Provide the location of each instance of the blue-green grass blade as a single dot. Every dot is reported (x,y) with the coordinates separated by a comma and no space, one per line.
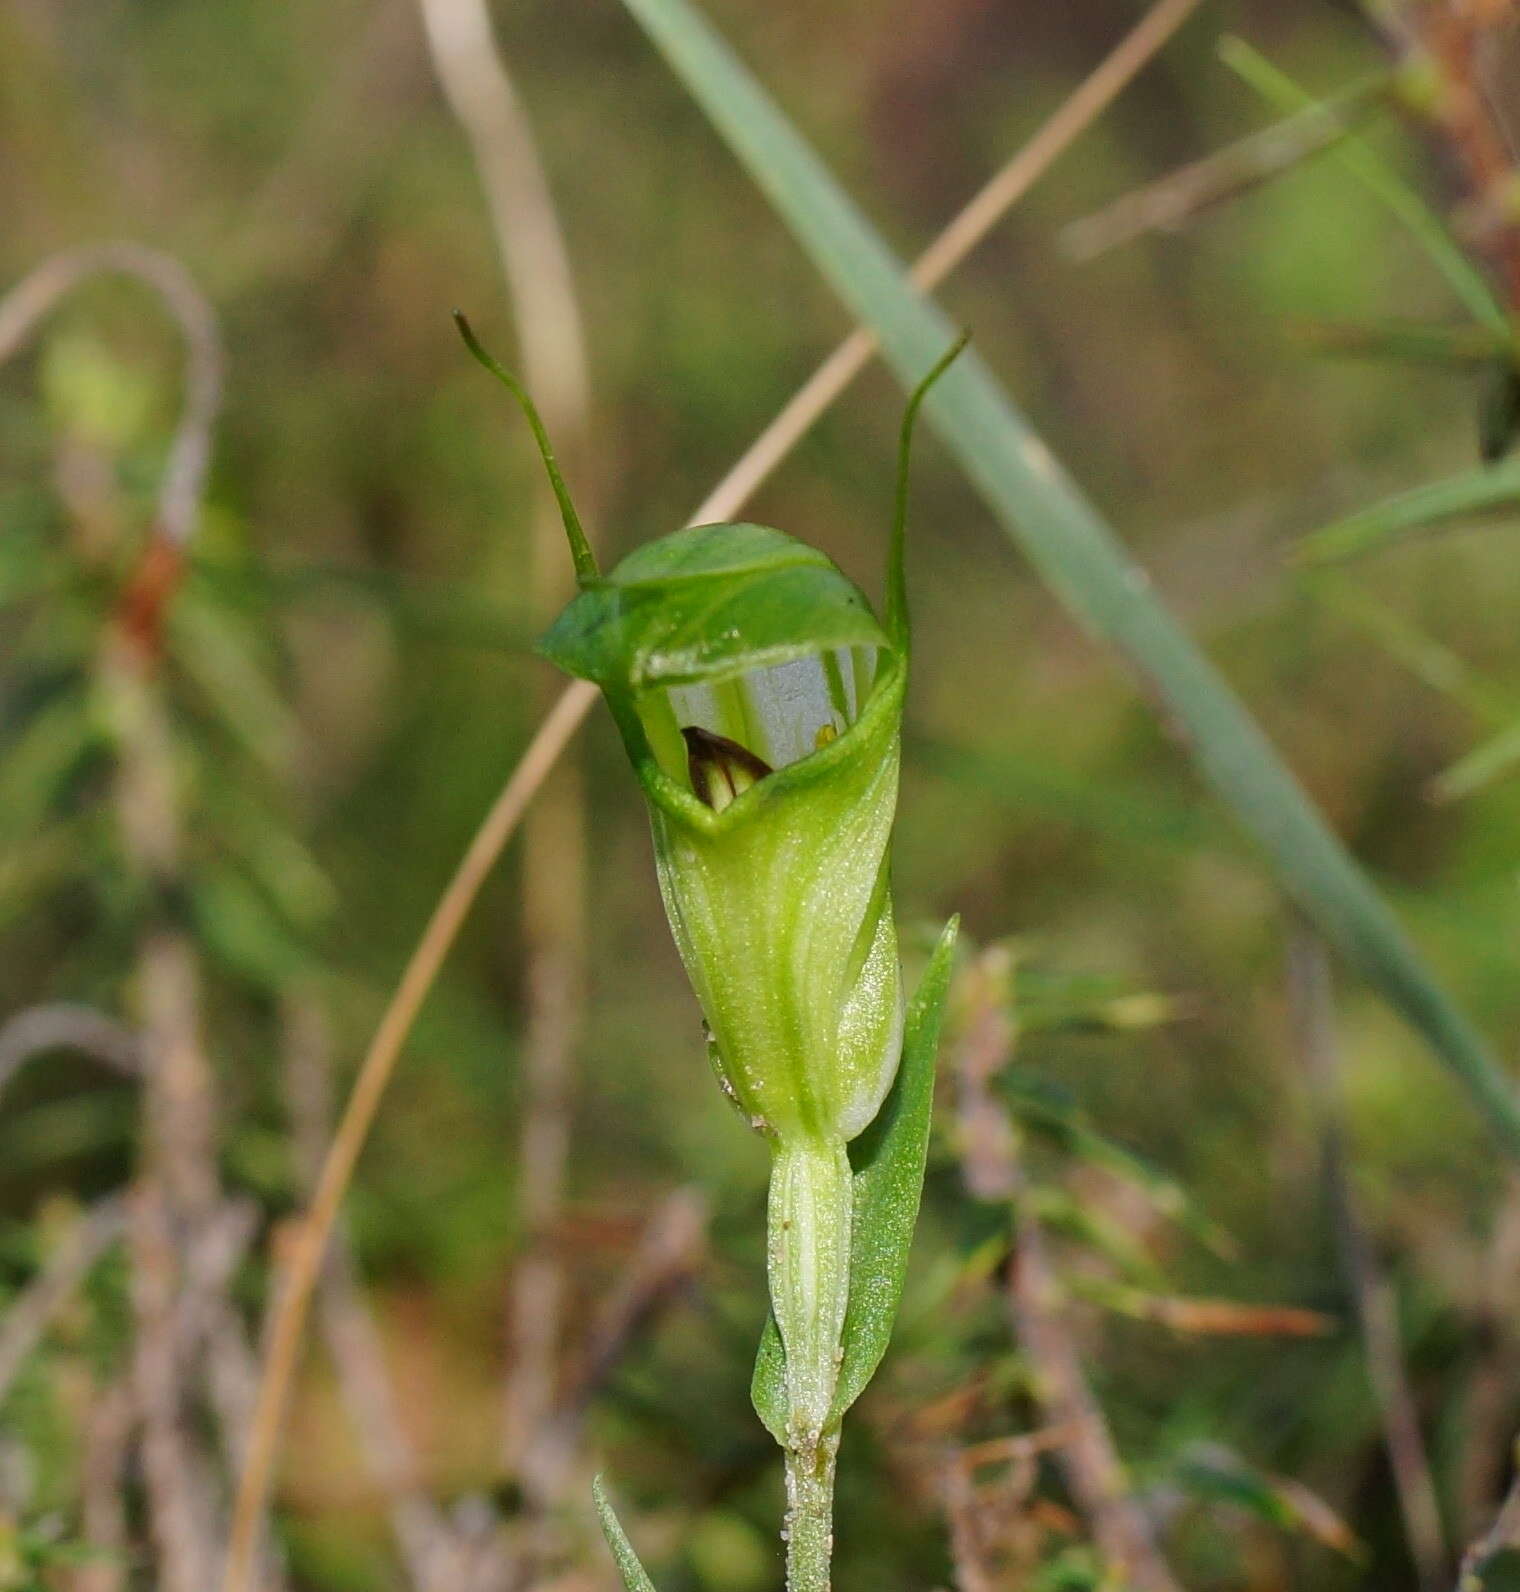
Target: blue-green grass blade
(1073,548)
(1369,530)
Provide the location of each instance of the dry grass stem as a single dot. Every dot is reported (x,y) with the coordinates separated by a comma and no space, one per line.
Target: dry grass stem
(65,1026)
(541,290)
(1312,1012)
(1171,202)
(359,1112)
(353,1338)
(1078,112)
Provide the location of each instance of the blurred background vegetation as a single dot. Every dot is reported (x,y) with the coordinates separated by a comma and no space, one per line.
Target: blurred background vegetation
(340,680)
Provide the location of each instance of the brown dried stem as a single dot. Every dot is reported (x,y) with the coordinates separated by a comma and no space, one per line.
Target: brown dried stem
(541,290)
(353,1338)
(1311,1009)
(988,1145)
(1075,115)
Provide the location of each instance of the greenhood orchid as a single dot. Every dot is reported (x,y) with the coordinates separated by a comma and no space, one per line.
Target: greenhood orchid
(760,700)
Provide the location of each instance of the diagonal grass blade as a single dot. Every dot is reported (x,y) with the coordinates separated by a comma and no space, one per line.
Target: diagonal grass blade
(1072,546)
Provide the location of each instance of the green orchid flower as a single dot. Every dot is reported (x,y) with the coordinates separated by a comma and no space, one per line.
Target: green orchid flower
(760,701)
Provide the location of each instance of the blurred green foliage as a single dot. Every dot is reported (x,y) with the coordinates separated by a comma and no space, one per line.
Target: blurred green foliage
(349,685)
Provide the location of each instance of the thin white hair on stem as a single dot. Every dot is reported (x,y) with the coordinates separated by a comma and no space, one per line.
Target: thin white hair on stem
(26,305)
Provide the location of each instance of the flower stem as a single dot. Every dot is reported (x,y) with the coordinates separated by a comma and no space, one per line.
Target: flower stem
(809,1533)
(809,1263)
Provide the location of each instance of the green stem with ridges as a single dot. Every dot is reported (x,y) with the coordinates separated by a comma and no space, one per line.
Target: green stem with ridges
(809,1531)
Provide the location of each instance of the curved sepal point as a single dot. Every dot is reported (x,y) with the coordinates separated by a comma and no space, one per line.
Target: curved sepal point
(896,608)
(580,548)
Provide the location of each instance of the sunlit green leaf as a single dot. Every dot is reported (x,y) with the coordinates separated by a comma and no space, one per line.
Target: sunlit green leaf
(707,603)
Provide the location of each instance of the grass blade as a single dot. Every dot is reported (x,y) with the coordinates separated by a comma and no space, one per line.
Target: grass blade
(1396,195)
(1481,766)
(1072,547)
(1472,492)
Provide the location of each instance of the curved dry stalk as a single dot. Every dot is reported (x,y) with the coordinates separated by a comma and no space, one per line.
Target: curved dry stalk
(551,339)
(63,1025)
(1096,92)
(528,237)
(26,304)
(571,707)
(354,1344)
(374,1074)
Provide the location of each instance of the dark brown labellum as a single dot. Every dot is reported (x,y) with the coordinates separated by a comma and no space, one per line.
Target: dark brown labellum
(720,769)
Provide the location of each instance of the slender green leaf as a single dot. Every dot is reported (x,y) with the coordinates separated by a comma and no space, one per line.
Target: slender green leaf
(1064,1127)
(1409,342)
(1374,173)
(1074,548)
(767,1388)
(632,1573)
(1049,1001)
(1216,1475)
(1368,530)
(1431,662)
(37,765)
(1480,767)
(888,1161)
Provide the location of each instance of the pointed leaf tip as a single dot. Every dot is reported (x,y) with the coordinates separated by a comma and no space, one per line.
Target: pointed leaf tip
(896,615)
(633,1575)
